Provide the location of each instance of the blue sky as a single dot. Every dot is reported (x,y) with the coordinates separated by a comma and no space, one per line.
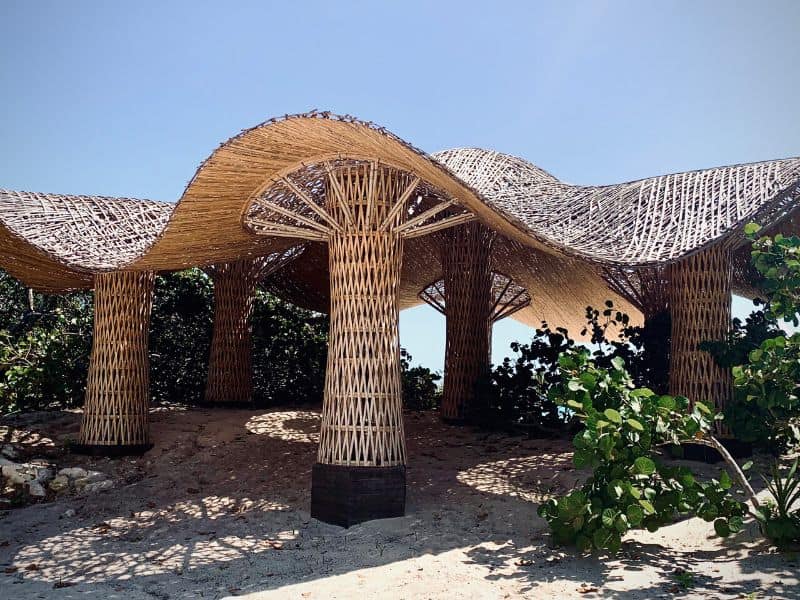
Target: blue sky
(128,98)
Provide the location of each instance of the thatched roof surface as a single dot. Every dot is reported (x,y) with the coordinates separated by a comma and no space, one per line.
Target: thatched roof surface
(644,222)
(557,239)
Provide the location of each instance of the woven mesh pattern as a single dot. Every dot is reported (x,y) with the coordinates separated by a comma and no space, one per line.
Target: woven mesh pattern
(230,363)
(466,261)
(652,220)
(89,232)
(700,305)
(117,390)
(362,413)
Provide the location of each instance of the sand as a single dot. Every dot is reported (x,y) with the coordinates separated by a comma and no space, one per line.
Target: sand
(219,508)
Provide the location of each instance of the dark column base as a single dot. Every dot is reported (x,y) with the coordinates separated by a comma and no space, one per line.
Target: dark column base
(701,453)
(110,450)
(349,495)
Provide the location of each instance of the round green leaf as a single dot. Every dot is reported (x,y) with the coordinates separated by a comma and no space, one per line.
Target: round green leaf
(608,518)
(575,404)
(644,466)
(635,515)
(722,528)
(634,424)
(648,508)
(602,538)
(613,416)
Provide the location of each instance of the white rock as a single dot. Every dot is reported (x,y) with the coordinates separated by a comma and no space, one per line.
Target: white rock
(16,476)
(73,472)
(36,489)
(69,513)
(98,486)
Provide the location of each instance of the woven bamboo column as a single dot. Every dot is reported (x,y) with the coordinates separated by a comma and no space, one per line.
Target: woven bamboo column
(700,306)
(360,473)
(230,363)
(466,263)
(115,420)
(363,210)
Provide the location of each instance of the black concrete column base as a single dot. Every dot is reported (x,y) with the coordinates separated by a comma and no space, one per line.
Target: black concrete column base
(110,450)
(706,454)
(346,496)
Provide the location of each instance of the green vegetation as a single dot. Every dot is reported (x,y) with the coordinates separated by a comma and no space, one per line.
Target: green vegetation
(630,488)
(516,394)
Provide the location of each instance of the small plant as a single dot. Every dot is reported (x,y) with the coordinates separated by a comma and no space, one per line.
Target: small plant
(684,578)
(780,517)
(629,487)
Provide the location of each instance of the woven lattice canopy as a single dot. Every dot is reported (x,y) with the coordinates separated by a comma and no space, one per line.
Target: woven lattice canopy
(568,245)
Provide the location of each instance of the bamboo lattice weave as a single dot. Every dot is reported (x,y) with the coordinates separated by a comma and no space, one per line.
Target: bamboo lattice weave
(544,223)
(466,260)
(362,417)
(700,305)
(652,220)
(89,232)
(117,390)
(230,364)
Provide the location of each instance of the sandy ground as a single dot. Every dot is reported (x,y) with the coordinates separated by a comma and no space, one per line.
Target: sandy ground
(220,508)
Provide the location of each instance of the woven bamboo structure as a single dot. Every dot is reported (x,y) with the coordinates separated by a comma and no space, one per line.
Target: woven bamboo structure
(365,203)
(700,305)
(230,362)
(472,298)
(364,210)
(117,391)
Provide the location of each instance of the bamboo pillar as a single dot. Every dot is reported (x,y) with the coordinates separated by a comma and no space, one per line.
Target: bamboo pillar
(700,306)
(360,473)
(363,210)
(230,363)
(466,254)
(115,417)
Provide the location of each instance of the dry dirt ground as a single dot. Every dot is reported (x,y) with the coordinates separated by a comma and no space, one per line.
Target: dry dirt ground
(220,508)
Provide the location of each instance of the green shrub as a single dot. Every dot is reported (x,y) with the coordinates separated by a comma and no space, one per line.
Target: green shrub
(630,488)
(44,347)
(180,336)
(748,421)
(515,395)
(290,350)
(420,388)
(767,384)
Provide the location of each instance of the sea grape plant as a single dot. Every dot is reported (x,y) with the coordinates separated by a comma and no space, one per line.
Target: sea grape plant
(630,488)
(770,379)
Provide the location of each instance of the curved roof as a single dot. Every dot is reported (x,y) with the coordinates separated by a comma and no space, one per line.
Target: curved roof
(643,222)
(557,237)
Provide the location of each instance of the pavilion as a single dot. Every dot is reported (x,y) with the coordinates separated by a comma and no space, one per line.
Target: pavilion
(357,223)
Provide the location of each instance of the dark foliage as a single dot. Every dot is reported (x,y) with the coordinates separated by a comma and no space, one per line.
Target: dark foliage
(180,335)
(44,352)
(420,390)
(290,349)
(747,420)
(44,347)
(515,395)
